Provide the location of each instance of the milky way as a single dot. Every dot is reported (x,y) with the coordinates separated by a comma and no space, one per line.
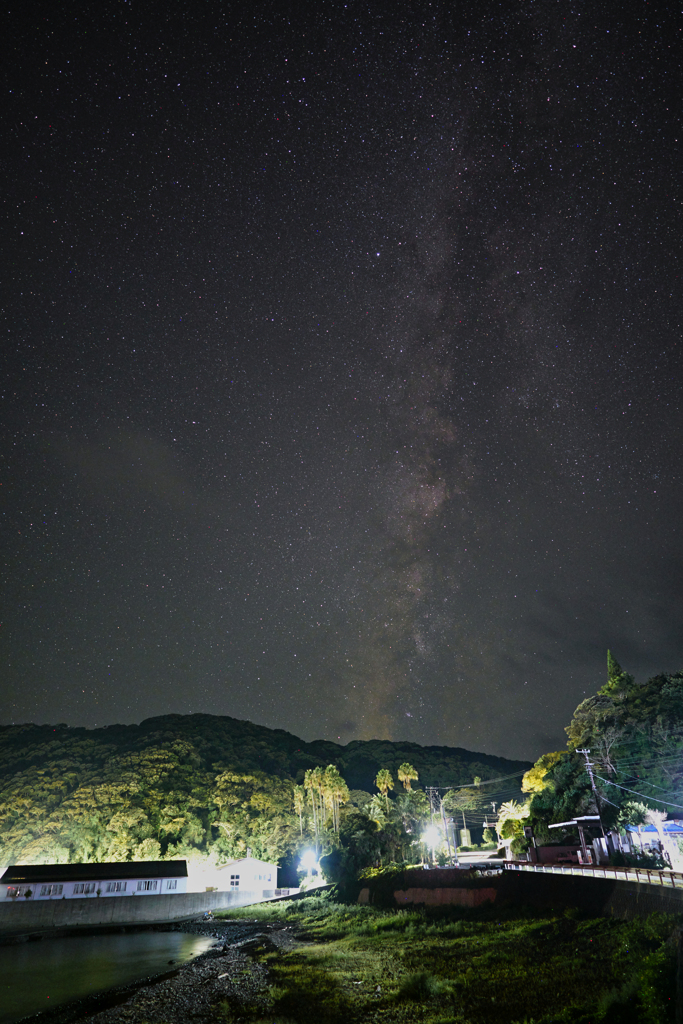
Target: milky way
(343,362)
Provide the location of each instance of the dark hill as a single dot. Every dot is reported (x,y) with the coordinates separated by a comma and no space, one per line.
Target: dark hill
(221,740)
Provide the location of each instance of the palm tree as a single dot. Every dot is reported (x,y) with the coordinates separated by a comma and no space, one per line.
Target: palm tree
(384,783)
(514,812)
(375,811)
(336,792)
(299,804)
(406,772)
(313,782)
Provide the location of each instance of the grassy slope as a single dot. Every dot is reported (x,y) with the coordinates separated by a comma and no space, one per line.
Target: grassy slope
(363,964)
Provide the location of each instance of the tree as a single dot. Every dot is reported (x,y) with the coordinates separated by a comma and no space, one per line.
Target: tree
(299,804)
(359,847)
(632,812)
(255,812)
(335,792)
(617,679)
(465,799)
(412,809)
(149,849)
(376,811)
(535,780)
(384,783)
(510,818)
(406,773)
(313,783)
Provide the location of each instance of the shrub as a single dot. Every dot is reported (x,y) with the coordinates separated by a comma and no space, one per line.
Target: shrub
(422,987)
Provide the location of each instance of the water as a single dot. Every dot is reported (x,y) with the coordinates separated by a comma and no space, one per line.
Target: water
(36,976)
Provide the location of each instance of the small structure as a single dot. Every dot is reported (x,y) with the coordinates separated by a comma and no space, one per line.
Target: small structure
(83,881)
(247,873)
(598,854)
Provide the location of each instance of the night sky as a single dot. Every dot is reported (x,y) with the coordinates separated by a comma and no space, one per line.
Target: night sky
(341,381)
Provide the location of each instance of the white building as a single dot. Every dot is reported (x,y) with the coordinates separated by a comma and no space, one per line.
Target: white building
(246,874)
(90,881)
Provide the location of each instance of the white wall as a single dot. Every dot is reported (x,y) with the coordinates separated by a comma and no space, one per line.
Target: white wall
(254,876)
(92,889)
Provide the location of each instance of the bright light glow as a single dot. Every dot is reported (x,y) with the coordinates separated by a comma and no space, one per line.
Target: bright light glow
(431,836)
(308,860)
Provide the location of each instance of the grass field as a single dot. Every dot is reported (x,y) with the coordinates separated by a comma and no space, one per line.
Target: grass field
(361,964)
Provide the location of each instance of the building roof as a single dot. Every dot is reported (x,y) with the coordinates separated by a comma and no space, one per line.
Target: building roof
(238,861)
(670,827)
(20,874)
(585,820)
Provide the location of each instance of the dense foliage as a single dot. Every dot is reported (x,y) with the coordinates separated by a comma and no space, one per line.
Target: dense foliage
(209,787)
(634,732)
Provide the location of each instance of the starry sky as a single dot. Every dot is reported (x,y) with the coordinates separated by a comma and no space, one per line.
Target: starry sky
(341,373)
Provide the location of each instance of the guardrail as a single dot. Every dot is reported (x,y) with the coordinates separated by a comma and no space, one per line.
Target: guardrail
(672,879)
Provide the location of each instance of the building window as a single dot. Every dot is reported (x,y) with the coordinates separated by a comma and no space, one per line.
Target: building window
(172,883)
(148,886)
(83,888)
(270,876)
(51,890)
(16,890)
(116,886)
(234,881)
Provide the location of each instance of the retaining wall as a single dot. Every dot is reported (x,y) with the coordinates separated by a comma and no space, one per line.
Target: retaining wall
(599,896)
(26,917)
(444,897)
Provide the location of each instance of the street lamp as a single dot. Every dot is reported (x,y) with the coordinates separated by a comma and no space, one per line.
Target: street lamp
(308,861)
(431,837)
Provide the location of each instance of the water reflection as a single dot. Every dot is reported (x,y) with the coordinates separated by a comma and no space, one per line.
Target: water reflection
(35,976)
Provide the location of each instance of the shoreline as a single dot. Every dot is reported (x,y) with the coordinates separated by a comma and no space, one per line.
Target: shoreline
(193,989)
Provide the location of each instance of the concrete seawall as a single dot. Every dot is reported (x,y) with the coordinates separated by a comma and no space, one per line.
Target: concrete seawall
(44,915)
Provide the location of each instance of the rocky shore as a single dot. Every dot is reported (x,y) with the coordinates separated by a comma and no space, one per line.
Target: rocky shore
(196,991)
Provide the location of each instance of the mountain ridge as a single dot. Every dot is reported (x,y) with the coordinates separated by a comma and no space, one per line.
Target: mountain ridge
(223,738)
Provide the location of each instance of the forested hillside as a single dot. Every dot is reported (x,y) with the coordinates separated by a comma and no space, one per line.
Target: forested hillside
(202,786)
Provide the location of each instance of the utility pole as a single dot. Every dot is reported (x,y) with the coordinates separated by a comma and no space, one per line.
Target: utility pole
(433,793)
(452,854)
(589,769)
(436,807)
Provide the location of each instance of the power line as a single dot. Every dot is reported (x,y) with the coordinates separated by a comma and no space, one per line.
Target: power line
(646,782)
(483,782)
(636,793)
(589,768)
